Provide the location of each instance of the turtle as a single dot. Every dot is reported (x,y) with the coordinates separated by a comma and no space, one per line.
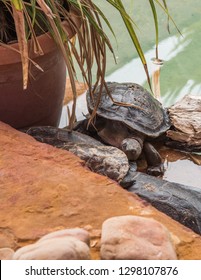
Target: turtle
(128,117)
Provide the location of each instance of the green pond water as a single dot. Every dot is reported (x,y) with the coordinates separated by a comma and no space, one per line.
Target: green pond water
(181,73)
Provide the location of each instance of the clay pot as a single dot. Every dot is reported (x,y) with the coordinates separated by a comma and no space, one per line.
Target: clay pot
(41,103)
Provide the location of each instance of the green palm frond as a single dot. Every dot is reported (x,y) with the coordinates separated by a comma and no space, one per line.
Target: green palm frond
(165,9)
(155,22)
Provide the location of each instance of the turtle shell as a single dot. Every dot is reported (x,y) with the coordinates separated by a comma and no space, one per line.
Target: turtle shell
(143,113)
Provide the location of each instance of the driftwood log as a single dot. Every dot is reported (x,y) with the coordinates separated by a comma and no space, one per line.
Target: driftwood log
(182,203)
(185,116)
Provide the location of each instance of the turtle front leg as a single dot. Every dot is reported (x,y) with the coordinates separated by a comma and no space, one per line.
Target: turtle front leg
(154,160)
(132,148)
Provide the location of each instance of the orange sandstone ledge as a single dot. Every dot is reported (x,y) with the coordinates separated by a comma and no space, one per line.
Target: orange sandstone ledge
(44,189)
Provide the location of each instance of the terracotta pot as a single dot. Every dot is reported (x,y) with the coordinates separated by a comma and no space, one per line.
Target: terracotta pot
(41,103)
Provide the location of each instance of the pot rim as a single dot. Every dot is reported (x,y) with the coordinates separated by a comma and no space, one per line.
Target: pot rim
(10,54)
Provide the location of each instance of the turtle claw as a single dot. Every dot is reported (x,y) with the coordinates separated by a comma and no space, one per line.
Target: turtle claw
(154,160)
(156,170)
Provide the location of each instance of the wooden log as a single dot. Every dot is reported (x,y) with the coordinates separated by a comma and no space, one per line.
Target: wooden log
(185,117)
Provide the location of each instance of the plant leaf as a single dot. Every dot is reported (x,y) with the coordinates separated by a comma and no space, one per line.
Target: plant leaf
(164,8)
(156,23)
(168,18)
(18,16)
(133,36)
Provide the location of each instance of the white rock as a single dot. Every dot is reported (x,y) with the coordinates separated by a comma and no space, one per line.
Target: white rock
(6,254)
(79,233)
(68,244)
(64,248)
(135,238)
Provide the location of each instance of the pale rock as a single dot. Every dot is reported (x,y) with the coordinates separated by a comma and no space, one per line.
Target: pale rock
(78,233)
(63,248)
(6,254)
(135,238)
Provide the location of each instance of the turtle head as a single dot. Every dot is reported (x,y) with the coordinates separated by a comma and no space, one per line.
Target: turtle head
(132,148)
